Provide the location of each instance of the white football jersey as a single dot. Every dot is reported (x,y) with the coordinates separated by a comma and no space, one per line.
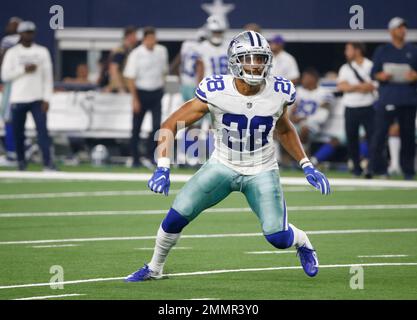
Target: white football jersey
(243,125)
(214,58)
(189,56)
(309,102)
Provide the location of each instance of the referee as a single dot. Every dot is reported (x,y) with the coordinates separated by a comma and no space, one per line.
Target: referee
(145,71)
(395,66)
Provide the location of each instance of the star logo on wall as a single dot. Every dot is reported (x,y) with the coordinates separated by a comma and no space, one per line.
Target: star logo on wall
(218,8)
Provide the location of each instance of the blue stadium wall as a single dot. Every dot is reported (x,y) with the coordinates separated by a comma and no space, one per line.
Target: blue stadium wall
(274,14)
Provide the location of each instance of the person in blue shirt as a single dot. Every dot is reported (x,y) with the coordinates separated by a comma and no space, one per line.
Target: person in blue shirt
(395,66)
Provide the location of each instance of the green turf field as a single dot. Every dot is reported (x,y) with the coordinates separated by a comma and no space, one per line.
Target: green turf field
(103,231)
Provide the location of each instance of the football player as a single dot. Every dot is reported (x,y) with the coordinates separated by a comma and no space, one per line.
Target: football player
(311,107)
(247,106)
(186,60)
(213,51)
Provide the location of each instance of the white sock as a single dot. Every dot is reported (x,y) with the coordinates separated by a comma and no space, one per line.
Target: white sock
(394,144)
(163,244)
(300,238)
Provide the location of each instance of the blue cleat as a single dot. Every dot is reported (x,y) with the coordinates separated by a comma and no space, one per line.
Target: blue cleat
(142,274)
(309,261)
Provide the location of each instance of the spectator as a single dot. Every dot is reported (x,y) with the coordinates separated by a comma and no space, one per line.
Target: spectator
(395,66)
(28,66)
(81,75)
(283,63)
(118,58)
(355,82)
(145,71)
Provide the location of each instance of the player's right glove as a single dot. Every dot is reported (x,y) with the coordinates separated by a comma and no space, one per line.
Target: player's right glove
(317,179)
(159,182)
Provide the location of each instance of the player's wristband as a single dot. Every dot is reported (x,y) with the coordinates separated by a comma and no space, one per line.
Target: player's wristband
(305,162)
(164,162)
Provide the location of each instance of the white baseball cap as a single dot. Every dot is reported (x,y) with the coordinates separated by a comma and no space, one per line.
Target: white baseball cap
(26,26)
(396,22)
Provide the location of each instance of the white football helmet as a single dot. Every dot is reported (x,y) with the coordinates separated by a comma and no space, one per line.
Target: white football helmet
(250,57)
(216,26)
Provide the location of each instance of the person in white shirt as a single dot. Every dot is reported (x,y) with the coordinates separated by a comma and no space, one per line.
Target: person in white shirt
(28,67)
(355,81)
(145,70)
(283,63)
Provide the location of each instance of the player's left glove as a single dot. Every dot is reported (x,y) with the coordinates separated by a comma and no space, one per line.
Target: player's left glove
(159,182)
(317,179)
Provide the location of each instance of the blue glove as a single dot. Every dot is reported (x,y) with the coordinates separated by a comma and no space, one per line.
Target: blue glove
(159,182)
(317,179)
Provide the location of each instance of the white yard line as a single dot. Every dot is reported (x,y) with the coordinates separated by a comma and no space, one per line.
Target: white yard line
(99,176)
(174,248)
(211,210)
(197,273)
(271,252)
(118,193)
(203,299)
(87,176)
(57,246)
(206,236)
(52,297)
(385,256)
(80,194)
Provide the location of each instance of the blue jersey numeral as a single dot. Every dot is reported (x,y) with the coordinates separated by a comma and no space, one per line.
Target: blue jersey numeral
(282,84)
(215,83)
(230,136)
(259,126)
(219,65)
(237,138)
(188,64)
(306,107)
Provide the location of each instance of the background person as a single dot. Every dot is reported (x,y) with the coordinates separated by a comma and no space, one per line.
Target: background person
(283,63)
(395,66)
(355,82)
(118,58)
(10,39)
(28,67)
(146,68)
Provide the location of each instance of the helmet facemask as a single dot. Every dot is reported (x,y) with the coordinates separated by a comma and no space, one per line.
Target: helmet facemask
(251,67)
